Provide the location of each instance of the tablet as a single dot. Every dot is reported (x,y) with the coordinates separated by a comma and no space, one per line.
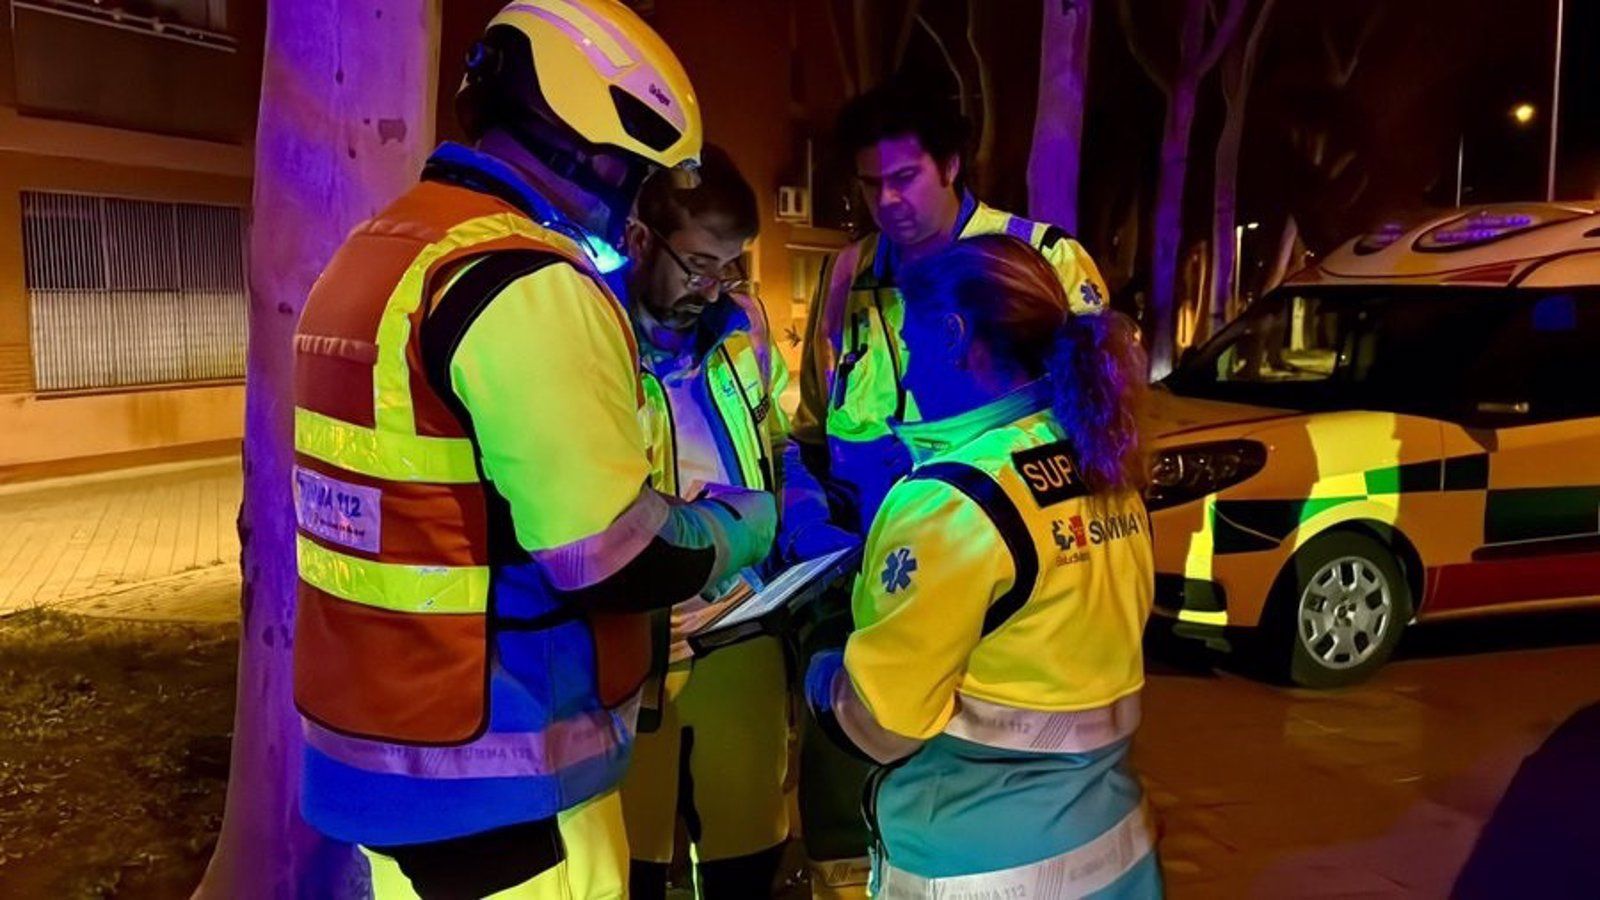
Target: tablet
(764,611)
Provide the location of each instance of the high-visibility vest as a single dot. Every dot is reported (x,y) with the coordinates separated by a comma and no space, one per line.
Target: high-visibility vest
(741,391)
(861,315)
(400,534)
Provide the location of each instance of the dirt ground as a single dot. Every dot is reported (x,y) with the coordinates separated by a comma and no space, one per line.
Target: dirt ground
(114,758)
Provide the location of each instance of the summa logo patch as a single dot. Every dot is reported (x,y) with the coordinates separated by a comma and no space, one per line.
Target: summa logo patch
(1075,534)
(1050,473)
(660,95)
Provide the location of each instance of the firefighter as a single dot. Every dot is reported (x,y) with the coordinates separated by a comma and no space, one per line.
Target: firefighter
(479,550)
(995,668)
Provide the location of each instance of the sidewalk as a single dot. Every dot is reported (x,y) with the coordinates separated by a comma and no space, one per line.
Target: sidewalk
(153,543)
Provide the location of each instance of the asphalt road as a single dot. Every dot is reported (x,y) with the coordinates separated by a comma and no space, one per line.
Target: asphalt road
(1380,790)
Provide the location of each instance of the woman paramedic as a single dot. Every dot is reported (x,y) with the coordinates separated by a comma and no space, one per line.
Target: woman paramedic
(995,668)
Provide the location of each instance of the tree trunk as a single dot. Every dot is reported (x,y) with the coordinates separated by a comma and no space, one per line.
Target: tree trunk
(1289,253)
(1238,72)
(346,119)
(1168,224)
(1053,161)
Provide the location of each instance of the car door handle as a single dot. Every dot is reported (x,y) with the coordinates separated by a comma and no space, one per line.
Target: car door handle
(1519,408)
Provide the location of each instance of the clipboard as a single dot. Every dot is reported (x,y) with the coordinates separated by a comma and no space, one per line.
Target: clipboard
(765,611)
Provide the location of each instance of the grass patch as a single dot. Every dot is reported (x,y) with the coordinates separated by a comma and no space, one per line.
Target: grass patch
(114,759)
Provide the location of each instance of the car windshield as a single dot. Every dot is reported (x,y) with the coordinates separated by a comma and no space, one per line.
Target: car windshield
(1437,351)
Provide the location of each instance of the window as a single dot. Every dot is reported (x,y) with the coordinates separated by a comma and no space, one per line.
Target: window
(1482,356)
(205,15)
(1538,367)
(211,15)
(132,292)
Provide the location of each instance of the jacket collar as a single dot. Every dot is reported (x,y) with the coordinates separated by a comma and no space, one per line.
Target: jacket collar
(929,438)
(718,322)
(886,261)
(474,170)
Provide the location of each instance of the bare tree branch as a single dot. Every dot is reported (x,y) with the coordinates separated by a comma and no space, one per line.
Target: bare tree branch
(1222,37)
(1341,67)
(955,70)
(1125,19)
(866,64)
(1340,164)
(1239,69)
(846,71)
(986,130)
(1360,188)
(908,23)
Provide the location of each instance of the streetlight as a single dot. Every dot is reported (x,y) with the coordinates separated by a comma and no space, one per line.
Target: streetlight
(1555,104)
(1238,250)
(1523,114)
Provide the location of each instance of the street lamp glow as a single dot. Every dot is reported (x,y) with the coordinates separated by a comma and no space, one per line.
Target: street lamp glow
(1523,113)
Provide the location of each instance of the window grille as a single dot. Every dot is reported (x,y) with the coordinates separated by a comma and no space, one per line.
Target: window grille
(133,292)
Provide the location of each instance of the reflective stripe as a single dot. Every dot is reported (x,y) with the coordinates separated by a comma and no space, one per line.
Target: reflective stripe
(1020,228)
(841,873)
(566,743)
(1202,617)
(386,455)
(1081,871)
(391,586)
(591,560)
(1010,728)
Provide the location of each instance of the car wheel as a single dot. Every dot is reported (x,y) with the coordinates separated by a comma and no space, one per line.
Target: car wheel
(1339,610)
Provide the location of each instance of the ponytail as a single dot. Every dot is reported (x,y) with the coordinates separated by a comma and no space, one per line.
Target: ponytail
(1016,305)
(1096,371)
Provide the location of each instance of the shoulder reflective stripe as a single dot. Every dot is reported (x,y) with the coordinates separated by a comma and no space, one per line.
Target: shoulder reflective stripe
(985,492)
(1079,872)
(1010,728)
(1020,228)
(386,455)
(391,377)
(401,588)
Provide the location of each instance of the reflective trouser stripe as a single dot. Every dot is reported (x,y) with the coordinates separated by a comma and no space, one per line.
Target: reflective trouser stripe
(1010,728)
(392,586)
(1092,867)
(836,877)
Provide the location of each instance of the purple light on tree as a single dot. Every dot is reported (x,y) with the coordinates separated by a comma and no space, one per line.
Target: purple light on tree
(346,119)
(1054,161)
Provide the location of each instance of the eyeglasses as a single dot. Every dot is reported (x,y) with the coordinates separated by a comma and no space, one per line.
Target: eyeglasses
(731,280)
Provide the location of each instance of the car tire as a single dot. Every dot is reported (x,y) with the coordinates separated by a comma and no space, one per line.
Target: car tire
(1337,611)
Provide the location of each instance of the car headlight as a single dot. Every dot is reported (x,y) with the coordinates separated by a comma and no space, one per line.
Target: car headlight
(1181,474)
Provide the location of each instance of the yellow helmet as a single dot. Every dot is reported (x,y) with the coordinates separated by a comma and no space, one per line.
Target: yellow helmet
(592,67)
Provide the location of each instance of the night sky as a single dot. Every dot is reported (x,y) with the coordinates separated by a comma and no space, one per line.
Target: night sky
(1431,72)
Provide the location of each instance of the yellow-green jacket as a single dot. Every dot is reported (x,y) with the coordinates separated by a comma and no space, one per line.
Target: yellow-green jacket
(999,602)
(853,366)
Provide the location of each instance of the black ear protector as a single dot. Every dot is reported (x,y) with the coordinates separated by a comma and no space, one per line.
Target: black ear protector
(482,61)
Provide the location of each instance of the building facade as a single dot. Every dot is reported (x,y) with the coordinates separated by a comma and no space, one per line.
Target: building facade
(126,132)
